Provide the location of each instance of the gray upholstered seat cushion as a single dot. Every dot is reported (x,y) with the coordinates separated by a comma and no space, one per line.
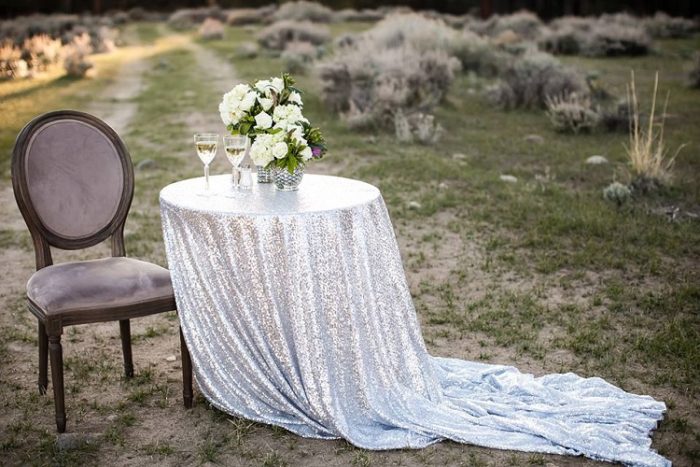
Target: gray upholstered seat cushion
(98,284)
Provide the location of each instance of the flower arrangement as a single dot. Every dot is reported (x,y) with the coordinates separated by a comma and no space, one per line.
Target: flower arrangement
(269,112)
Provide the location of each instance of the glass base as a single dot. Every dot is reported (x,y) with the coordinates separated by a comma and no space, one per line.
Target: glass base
(284,181)
(265,175)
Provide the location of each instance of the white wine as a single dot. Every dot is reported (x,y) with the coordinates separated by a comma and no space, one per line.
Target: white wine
(235,155)
(206,150)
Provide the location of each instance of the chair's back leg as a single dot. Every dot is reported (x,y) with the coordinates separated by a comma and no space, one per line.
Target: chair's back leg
(125,331)
(43,358)
(186,372)
(56,352)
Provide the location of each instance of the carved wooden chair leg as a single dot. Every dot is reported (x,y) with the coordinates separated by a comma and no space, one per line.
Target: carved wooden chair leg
(43,359)
(125,331)
(56,353)
(186,372)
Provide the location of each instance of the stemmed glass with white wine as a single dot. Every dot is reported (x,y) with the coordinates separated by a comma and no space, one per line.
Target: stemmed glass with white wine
(206,143)
(235,148)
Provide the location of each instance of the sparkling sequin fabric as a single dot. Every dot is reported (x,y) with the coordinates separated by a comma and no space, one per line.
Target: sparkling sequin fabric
(296,311)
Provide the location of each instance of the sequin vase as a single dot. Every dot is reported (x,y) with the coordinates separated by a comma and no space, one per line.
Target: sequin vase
(285,181)
(265,175)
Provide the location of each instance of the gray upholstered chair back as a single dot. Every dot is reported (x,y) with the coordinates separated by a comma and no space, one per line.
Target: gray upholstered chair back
(73,180)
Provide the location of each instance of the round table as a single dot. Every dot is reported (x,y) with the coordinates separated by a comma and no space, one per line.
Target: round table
(296,312)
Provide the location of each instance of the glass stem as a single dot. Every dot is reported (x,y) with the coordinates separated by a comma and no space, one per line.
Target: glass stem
(234,174)
(206,176)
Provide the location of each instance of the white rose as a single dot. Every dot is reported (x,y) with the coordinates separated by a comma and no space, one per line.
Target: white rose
(265,103)
(277,84)
(262,85)
(306,153)
(279,150)
(295,98)
(248,101)
(263,121)
(286,116)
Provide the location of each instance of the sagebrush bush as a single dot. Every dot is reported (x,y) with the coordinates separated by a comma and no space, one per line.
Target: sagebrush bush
(368,85)
(246,16)
(350,14)
(75,59)
(475,52)
(479,55)
(41,51)
(523,23)
(617,193)
(119,17)
(605,40)
(298,57)
(211,29)
(137,14)
(663,25)
(414,30)
(187,18)
(248,50)
(418,127)
(572,114)
(304,11)
(454,21)
(616,117)
(277,35)
(565,37)
(11,63)
(529,80)
(60,26)
(606,36)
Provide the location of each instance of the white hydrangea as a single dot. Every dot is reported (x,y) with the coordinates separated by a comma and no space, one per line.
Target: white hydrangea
(261,151)
(236,103)
(286,116)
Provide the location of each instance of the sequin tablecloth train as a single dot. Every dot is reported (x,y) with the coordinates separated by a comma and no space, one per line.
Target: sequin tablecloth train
(296,311)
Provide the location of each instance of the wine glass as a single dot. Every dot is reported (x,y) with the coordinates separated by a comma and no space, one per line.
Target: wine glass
(205,143)
(235,148)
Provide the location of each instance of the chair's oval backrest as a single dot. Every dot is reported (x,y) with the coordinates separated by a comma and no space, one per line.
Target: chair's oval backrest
(72,177)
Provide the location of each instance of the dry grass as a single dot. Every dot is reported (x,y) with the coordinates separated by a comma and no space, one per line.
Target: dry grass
(647,151)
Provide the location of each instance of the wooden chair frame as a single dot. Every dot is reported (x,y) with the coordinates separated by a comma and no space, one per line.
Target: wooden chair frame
(50,329)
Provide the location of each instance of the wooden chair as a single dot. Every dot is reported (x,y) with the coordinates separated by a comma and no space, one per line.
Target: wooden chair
(73,181)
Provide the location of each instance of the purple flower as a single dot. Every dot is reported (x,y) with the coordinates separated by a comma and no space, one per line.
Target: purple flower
(316,151)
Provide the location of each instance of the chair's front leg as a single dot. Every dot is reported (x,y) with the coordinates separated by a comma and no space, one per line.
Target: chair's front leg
(43,358)
(56,353)
(125,332)
(186,372)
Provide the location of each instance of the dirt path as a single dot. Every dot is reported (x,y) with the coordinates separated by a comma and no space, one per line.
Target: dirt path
(219,75)
(116,104)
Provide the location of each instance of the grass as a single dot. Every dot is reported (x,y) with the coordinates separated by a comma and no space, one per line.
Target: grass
(647,153)
(542,273)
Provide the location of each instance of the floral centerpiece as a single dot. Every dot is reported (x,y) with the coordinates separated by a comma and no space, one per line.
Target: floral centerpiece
(269,112)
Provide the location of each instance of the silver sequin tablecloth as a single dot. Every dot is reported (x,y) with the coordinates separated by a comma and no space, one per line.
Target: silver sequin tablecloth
(296,311)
